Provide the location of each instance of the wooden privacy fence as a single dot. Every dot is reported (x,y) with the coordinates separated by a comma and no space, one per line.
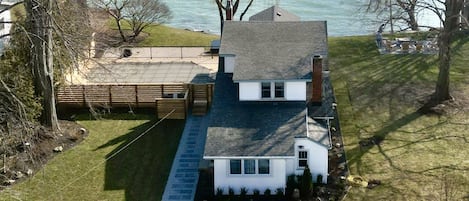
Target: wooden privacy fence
(163,97)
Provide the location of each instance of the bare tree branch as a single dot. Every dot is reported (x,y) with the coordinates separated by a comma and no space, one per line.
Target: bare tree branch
(245,10)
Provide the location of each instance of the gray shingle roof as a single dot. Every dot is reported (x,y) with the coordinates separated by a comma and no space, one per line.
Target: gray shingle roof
(274,13)
(273,50)
(252,128)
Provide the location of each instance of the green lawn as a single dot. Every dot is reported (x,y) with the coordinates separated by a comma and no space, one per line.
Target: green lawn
(139,172)
(162,35)
(167,36)
(420,157)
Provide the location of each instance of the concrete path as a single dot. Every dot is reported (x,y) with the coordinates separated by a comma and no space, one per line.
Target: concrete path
(184,175)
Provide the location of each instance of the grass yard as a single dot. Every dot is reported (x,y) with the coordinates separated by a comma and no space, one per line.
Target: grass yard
(417,157)
(162,35)
(139,172)
(167,36)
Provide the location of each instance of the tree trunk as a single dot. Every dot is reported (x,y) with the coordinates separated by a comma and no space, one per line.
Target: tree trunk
(220,12)
(450,26)
(414,26)
(42,58)
(442,85)
(121,32)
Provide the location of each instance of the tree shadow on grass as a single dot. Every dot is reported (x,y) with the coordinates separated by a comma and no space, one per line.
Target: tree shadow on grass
(142,168)
(379,136)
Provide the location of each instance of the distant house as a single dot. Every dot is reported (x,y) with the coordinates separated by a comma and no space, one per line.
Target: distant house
(274,13)
(261,130)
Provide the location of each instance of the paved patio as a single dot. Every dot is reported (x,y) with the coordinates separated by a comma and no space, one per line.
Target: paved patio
(184,175)
(407,46)
(146,65)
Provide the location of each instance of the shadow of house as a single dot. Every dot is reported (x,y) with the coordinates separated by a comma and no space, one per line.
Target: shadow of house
(141,168)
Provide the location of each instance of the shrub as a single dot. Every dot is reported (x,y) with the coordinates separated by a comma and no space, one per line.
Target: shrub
(319,179)
(219,192)
(256,194)
(306,184)
(279,193)
(292,183)
(231,192)
(267,192)
(243,192)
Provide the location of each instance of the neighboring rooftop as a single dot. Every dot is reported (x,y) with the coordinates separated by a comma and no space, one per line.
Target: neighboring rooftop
(274,13)
(277,50)
(255,128)
(147,65)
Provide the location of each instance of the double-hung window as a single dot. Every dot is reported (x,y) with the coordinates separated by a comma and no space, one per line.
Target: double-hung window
(235,166)
(265,89)
(302,159)
(264,166)
(279,90)
(249,166)
(272,90)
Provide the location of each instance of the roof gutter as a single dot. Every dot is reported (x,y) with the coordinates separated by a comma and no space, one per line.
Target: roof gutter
(247,157)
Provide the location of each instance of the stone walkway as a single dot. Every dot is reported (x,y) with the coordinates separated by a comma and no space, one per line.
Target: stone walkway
(184,175)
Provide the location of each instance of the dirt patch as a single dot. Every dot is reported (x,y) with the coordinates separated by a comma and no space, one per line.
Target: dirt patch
(459,103)
(32,154)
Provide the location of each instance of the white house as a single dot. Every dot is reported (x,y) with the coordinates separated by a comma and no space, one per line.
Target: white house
(260,130)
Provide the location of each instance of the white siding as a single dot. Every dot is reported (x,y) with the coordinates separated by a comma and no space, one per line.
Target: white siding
(249,91)
(229,64)
(295,91)
(317,158)
(276,178)
(290,166)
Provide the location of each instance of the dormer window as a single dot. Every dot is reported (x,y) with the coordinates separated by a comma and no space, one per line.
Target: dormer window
(279,90)
(270,90)
(265,90)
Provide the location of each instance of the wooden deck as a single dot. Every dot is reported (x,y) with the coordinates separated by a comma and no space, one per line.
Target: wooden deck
(163,97)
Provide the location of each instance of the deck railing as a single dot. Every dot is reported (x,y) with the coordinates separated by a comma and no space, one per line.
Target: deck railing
(163,97)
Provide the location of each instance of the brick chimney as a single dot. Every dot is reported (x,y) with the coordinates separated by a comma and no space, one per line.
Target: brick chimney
(316,97)
(229,10)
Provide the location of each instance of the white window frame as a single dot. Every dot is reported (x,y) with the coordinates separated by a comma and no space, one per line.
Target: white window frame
(302,159)
(241,167)
(273,91)
(256,167)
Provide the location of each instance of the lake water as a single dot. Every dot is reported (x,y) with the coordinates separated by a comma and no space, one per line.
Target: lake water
(343,16)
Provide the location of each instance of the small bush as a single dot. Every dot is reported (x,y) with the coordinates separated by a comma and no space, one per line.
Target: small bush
(231,192)
(243,192)
(319,179)
(306,184)
(256,194)
(219,192)
(267,192)
(292,183)
(279,192)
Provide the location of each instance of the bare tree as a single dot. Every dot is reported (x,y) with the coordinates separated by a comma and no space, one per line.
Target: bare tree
(138,13)
(115,8)
(230,9)
(396,11)
(51,28)
(143,13)
(41,61)
(451,24)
